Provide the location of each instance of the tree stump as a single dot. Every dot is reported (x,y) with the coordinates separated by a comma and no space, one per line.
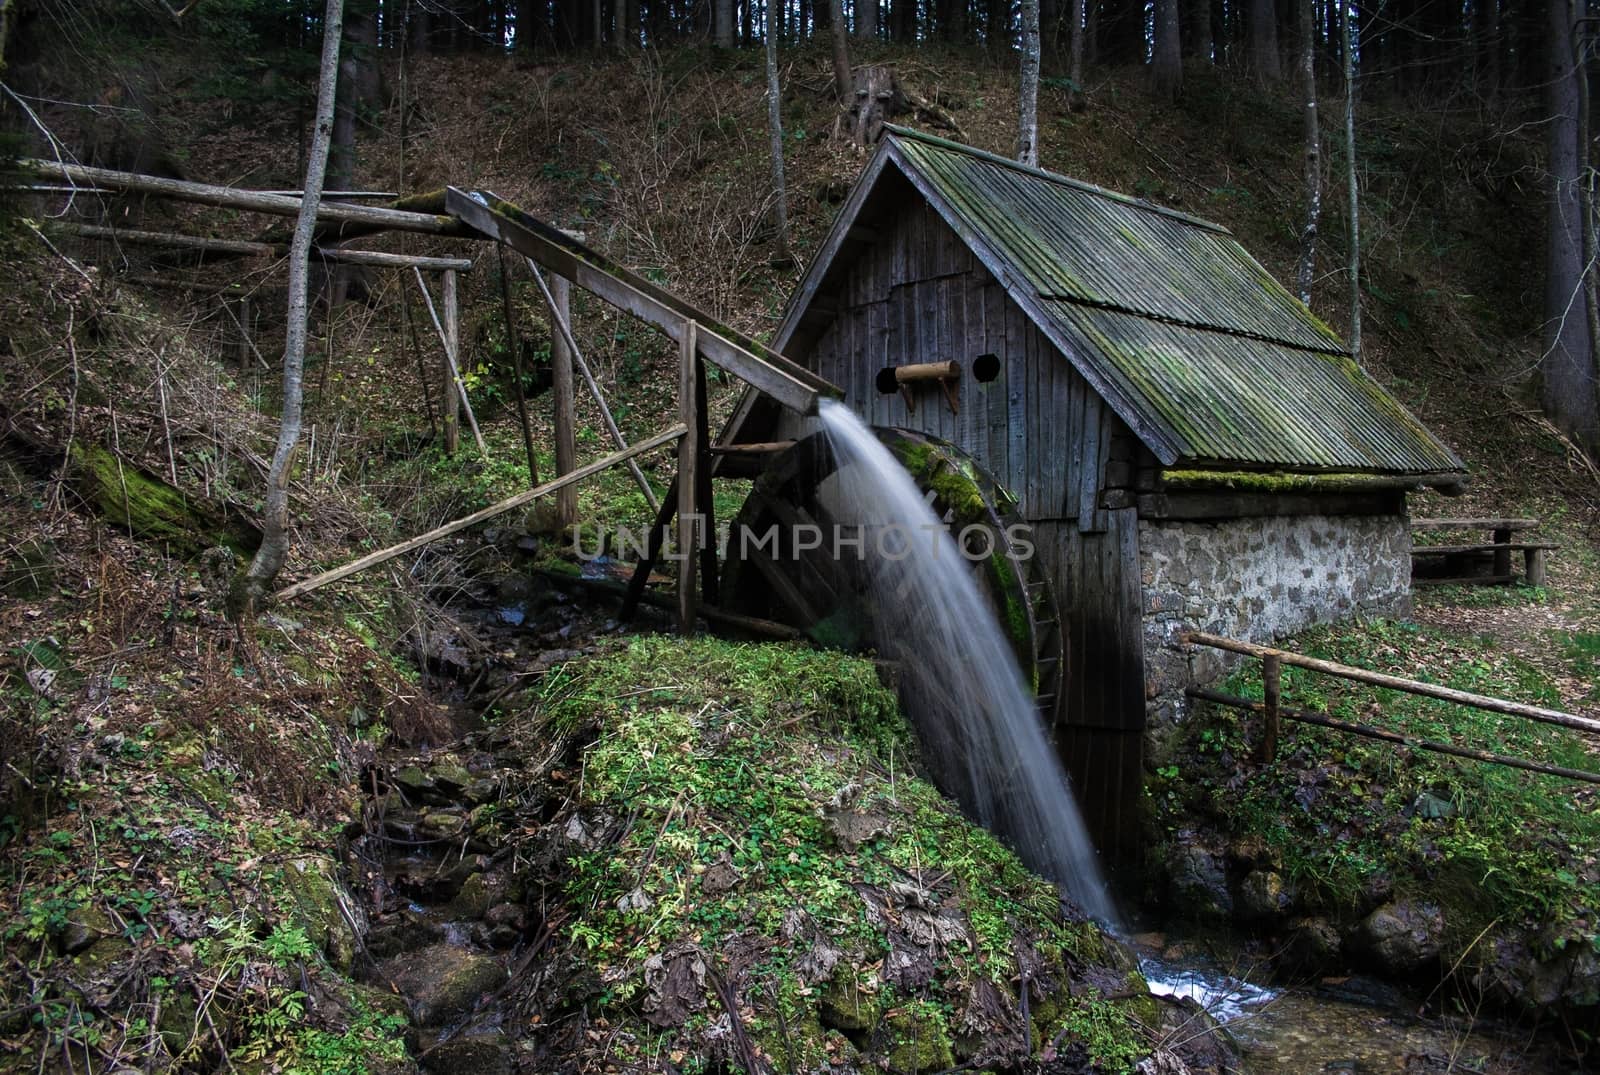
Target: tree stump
(877,99)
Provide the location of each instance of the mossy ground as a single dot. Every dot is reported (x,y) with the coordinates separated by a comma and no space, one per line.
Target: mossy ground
(1352,821)
(753,812)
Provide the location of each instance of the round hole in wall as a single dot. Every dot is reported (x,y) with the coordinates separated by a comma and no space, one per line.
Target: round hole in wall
(986,367)
(887,383)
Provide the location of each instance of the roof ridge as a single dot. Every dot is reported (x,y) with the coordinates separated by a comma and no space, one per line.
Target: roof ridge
(1056,177)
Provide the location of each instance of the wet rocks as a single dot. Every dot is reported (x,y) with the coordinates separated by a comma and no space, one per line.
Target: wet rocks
(1262,895)
(484,1053)
(1402,937)
(1311,947)
(442,982)
(1199,881)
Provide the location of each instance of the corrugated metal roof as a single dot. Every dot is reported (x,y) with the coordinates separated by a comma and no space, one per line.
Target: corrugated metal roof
(1172,319)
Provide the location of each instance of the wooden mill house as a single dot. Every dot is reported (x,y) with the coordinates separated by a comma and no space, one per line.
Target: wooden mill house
(1191,445)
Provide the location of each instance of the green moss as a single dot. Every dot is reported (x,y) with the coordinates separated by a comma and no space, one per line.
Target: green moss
(739,767)
(919,1037)
(153,510)
(1254,481)
(1511,853)
(317,900)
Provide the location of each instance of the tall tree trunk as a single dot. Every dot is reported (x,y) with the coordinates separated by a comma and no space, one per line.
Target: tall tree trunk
(780,194)
(1313,149)
(722,19)
(840,34)
(1567,365)
(1264,58)
(1028,121)
(263,570)
(1080,29)
(1347,25)
(1166,61)
(867,19)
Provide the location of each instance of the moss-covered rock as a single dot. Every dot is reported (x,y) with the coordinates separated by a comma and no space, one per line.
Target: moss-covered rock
(916,1037)
(151,509)
(322,907)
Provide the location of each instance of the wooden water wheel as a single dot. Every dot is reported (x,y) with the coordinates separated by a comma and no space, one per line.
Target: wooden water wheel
(773,572)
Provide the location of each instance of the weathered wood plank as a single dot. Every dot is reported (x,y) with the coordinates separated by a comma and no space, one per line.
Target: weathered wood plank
(563,392)
(789,383)
(688,478)
(525,497)
(1093,421)
(994,321)
(1017,386)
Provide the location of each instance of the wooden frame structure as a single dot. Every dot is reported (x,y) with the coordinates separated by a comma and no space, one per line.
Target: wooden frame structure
(484,216)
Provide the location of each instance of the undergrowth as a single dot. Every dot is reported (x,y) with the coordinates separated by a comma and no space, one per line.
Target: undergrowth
(775,823)
(1498,848)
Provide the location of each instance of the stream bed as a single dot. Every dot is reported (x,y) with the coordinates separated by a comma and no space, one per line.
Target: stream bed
(1354,1025)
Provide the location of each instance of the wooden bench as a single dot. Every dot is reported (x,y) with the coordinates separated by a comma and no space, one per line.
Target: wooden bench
(1499,548)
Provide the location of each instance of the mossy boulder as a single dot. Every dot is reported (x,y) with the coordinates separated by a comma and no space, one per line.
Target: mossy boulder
(322,907)
(917,1038)
(845,1005)
(441,982)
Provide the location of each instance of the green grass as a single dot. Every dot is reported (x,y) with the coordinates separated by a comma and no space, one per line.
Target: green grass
(1518,848)
(1582,651)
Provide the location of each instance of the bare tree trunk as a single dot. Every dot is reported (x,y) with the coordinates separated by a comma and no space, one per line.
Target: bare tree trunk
(1313,150)
(867,19)
(1350,179)
(722,16)
(780,196)
(1079,30)
(258,578)
(1028,121)
(1166,66)
(1567,366)
(842,85)
(1264,41)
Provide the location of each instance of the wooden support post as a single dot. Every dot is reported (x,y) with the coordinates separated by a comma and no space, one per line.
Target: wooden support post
(703,492)
(1502,557)
(452,348)
(1272,689)
(689,449)
(562,389)
(1533,566)
(525,497)
(563,325)
(449,398)
(450,337)
(242,319)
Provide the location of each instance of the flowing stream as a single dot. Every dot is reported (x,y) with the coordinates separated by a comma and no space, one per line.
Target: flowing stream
(977,719)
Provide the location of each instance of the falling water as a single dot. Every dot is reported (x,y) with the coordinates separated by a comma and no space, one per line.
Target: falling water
(978,722)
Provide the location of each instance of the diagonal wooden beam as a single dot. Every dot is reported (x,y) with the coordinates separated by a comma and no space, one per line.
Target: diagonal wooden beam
(785,381)
(525,497)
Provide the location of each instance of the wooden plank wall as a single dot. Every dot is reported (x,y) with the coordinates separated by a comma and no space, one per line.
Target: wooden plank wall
(919,295)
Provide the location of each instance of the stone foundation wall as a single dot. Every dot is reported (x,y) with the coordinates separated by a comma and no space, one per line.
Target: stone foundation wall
(1258,579)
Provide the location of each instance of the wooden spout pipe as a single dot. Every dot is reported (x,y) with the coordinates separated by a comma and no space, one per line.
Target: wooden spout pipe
(928,371)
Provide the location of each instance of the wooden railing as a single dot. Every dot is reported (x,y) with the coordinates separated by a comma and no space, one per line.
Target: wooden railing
(1274,711)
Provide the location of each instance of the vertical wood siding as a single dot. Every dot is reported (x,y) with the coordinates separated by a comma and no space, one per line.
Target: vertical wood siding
(918,295)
